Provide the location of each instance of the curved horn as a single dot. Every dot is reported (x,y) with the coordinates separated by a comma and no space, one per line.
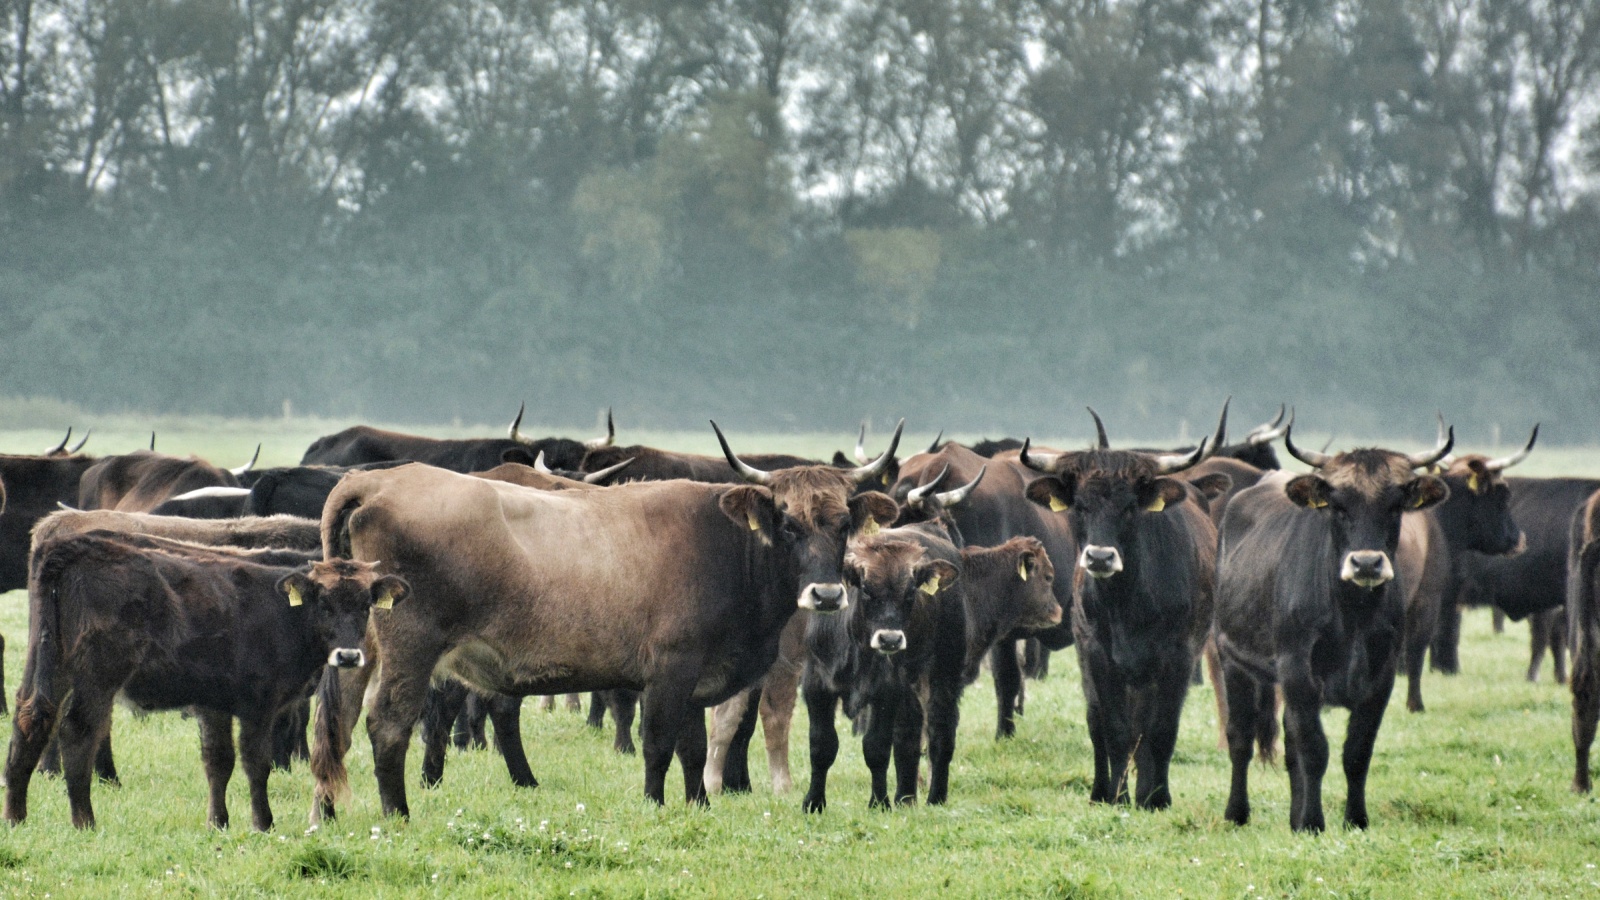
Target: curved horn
(1267,432)
(81,441)
(1447,459)
(746,471)
(1099,430)
(934,447)
(921,491)
(515,431)
(61,446)
(1168,463)
(600,476)
(861,444)
(1495,465)
(1039,462)
(876,467)
(1310,457)
(609,439)
(152,442)
(1222,429)
(1437,453)
(249,465)
(540,466)
(960,494)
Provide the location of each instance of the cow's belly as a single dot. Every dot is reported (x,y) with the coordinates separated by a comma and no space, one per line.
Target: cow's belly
(487,667)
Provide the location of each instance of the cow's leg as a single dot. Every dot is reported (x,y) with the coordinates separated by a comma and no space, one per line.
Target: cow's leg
(289,734)
(506,713)
(30,731)
(401,693)
(943,712)
(907,747)
(667,709)
(597,710)
(1444,653)
(1360,736)
(777,714)
(255,753)
(824,744)
(575,703)
(877,745)
(1585,707)
(736,766)
(623,703)
(1162,711)
(1499,621)
(691,751)
(1242,693)
(725,718)
(1416,647)
(470,731)
(1007,686)
(1558,643)
(84,725)
(217,755)
(105,765)
(440,710)
(1538,639)
(1306,749)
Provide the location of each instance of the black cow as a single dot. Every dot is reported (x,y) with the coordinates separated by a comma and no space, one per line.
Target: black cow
(1142,605)
(1306,601)
(896,651)
(1583,634)
(281,491)
(1529,582)
(230,633)
(363,444)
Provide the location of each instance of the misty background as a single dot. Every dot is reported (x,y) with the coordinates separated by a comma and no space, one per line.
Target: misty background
(981,214)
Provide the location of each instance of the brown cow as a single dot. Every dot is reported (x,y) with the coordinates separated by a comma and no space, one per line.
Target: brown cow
(166,624)
(676,588)
(1583,633)
(142,480)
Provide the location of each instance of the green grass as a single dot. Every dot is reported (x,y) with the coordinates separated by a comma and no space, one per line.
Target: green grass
(1468,800)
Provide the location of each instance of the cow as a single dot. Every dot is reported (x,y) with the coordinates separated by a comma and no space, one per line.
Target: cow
(1583,633)
(896,652)
(164,625)
(365,444)
(1141,605)
(142,480)
(1306,602)
(1525,583)
(677,588)
(1436,543)
(651,464)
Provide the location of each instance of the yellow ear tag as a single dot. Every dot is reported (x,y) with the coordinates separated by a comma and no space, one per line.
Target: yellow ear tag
(294,596)
(931,586)
(1022,571)
(870,527)
(1472,482)
(1317,504)
(384,601)
(1055,504)
(1419,502)
(754,525)
(885,479)
(1157,505)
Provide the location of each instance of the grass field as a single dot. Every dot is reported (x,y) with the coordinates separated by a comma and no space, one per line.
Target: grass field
(1468,800)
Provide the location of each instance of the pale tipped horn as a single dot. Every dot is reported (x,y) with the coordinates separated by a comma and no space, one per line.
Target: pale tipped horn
(1221,436)
(921,491)
(609,439)
(81,441)
(1448,458)
(861,445)
(1101,443)
(1267,432)
(540,466)
(746,471)
(877,466)
(1506,462)
(1169,463)
(601,476)
(1420,460)
(515,431)
(1039,462)
(61,446)
(960,494)
(1310,457)
(249,465)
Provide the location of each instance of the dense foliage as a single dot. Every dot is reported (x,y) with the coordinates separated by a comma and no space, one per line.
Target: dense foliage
(795,212)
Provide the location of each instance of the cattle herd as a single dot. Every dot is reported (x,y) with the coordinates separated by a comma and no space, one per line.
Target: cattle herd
(441,581)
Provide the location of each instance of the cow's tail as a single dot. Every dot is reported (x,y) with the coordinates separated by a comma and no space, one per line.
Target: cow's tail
(328,746)
(342,503)
(37,702)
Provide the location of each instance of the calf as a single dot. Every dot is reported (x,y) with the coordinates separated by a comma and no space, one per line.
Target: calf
(167,625)
(1306,601)
(1142,602)
(897,650)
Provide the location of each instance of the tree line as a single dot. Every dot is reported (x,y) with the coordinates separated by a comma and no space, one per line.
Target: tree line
(796,212)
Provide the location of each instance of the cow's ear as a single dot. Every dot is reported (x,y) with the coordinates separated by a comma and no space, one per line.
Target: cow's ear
(1053,492)
(750,507)
(1423,492)
(388,589)
(297,588)
(872,510)
(1478,476)
(521,455)
(1308,491)
(840,461)
(936,575)
(1029,561)
(1214,485)
(1159,493)
(891,472)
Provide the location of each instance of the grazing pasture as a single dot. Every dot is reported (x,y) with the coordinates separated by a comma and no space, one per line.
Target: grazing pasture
(1467,799)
